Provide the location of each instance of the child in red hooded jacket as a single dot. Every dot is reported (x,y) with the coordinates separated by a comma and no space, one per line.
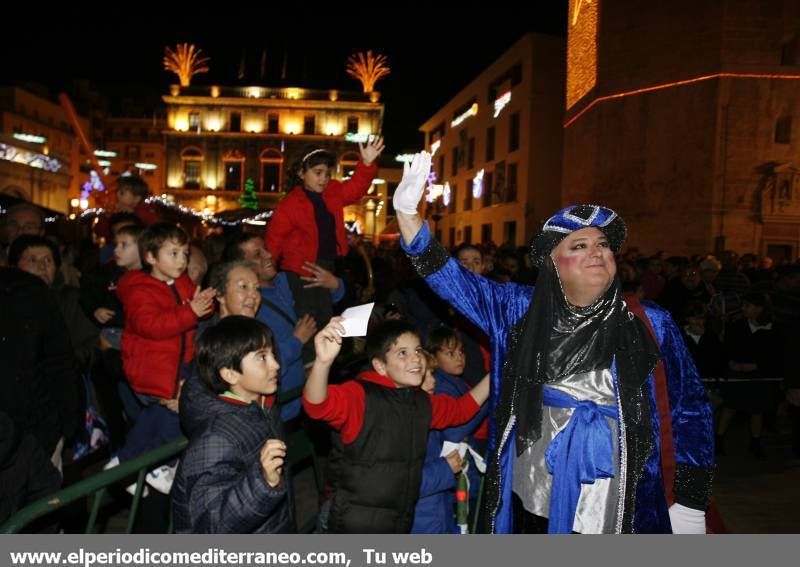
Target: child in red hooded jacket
(162,307)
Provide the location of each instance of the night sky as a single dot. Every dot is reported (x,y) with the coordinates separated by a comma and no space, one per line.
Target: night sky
(430,61)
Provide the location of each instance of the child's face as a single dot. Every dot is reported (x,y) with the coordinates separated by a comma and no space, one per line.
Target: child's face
(316,178)
(126,252)
(171,262)
(259,375)
(451,358)
(471,260)
(126,200)
(404,363)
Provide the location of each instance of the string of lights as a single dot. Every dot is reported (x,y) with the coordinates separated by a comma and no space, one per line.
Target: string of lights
(209,218)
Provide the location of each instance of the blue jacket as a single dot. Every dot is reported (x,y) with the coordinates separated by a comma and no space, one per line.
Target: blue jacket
(455,388)
(290,350)
(495,309)
(220,486)
(435,509)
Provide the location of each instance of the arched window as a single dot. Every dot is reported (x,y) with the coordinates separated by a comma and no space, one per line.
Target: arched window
(271,170)
(233,162)
(192,167)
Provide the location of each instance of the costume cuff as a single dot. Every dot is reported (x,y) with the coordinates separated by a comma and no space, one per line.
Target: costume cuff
(426,254)
(693,486)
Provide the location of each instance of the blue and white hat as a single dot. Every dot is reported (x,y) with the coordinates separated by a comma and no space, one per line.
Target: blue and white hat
(576,217)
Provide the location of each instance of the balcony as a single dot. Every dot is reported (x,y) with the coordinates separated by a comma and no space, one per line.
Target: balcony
(270,93)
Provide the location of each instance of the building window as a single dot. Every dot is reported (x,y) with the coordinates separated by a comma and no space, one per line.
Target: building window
(490,135)
(468,234)
(488,177)
(499,183)
(513,132)
(451,208)
(511,183)
(309,124)
(233,163)
(192,167)
(510,233)
(452,234)
(191,174)
(233,175)
(236,122)
(455,161)
(783,130)
(271,170)
(789,52)
(352,124)
(194,122)
(471,153)
(468,196)
(516,74)
(272,123)
(486,233)
(440,171)
(132,153)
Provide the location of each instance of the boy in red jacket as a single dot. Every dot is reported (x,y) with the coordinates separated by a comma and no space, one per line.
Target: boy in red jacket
(162,307)
(382,420)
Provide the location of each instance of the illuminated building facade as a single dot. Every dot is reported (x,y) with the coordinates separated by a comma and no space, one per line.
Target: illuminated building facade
(218,138)
(684,116)
(40,157)
(497,148)
(138,147)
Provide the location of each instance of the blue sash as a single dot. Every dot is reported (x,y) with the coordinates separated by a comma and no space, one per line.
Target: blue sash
(579,454)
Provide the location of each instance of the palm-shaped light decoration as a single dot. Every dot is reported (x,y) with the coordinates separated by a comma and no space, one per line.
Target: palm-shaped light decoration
(367,68)
(185,61)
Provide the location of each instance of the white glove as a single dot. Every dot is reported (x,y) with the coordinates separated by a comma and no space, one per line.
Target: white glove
(409,191)
(687,520)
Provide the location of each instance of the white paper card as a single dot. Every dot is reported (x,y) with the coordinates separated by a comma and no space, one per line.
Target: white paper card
(355,320)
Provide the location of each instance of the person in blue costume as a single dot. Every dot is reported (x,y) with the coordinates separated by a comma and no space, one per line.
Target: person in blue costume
(576,432)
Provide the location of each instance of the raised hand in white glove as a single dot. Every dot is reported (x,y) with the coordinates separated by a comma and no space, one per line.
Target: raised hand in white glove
(687,520)
(409,192)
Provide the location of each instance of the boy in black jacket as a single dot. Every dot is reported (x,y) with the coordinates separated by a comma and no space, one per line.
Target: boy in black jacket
(231,478)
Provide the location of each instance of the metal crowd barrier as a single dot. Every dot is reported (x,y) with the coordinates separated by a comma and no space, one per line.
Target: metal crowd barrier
(96,486)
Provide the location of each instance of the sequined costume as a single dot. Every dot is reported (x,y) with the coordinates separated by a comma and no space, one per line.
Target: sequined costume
(641,506)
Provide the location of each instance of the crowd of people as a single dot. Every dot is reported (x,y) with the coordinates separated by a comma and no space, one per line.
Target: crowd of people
(598,385)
